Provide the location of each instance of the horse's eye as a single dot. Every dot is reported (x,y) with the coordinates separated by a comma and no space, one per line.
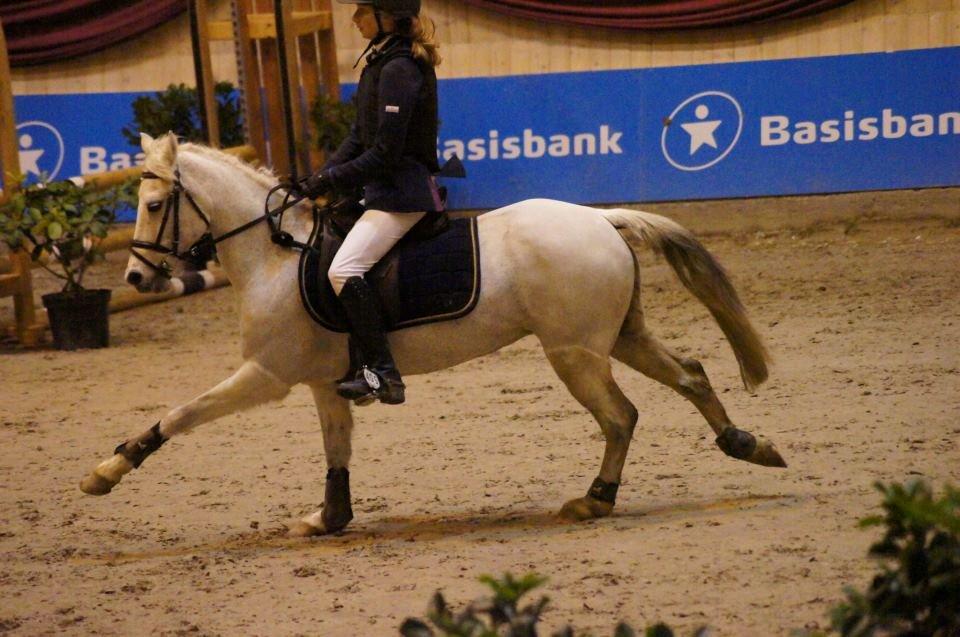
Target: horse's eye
(155,206)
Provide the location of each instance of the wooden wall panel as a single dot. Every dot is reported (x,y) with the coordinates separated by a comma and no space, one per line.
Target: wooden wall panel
(476,42)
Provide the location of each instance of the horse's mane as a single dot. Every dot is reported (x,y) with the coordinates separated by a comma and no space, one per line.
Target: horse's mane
(263,176)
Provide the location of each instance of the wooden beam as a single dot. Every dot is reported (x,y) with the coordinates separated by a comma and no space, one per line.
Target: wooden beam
(9,147)
(330,74)
(203,70)
(262,26)
(117,177)
(249,78)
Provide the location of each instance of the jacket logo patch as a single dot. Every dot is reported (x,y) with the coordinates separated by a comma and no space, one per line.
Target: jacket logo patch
(392,109)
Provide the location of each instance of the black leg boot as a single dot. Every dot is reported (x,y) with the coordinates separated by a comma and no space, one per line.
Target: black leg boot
(379,375)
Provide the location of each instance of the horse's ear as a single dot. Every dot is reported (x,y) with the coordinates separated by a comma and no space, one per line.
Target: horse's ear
(166,147)
(146,142)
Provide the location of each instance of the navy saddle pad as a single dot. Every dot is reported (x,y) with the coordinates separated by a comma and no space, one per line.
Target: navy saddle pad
(419,281)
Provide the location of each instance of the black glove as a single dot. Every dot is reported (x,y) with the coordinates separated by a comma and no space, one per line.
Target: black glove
(313,186)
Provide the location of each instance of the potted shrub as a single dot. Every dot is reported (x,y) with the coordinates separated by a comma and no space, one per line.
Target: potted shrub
(59,224)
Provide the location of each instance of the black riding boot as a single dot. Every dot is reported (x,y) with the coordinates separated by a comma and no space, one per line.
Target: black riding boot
(379,376)
(355,372)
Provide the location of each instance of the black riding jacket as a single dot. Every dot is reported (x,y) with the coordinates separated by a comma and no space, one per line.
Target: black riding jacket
(391,150)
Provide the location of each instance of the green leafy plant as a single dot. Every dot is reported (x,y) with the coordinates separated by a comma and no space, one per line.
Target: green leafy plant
(500,614)
(917,592)
(58,224)
(177,109)
(331,120)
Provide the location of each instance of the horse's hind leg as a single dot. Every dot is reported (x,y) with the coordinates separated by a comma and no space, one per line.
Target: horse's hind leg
(249,386)
(337,423)
(641,351)
(588,377)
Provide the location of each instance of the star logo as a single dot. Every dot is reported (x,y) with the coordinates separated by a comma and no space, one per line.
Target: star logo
(701,131)
(41,150)
(29,158)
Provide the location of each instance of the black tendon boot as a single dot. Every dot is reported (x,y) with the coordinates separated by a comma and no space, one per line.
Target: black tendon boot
(379,375)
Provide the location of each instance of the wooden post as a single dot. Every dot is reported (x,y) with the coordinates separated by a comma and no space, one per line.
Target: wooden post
(9,147)
(290,87)
(249,77)
(206,94)
(17,282)
(270,65)
(304,29)
(328,55)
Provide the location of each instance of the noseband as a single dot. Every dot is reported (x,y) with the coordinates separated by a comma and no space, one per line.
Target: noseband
(204,248)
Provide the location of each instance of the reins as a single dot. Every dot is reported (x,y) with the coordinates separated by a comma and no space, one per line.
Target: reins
(203,248)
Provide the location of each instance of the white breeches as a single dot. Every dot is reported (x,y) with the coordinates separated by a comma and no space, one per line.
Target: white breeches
(370,238)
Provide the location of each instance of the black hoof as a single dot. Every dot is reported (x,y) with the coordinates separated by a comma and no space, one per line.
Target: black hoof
(737,443)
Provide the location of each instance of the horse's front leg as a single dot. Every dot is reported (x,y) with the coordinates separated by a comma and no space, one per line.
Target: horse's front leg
(337,423)
(247,387)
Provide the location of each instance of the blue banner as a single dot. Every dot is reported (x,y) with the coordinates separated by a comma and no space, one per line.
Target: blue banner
(804,126)
(817,125)
(64,136)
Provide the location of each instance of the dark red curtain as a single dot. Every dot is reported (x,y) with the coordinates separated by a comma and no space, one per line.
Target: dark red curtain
(40,31)
(653,15)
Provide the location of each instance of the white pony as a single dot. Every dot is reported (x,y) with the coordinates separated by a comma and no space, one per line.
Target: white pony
(566,273)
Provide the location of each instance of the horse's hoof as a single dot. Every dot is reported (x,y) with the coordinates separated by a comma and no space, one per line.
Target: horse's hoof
(303,529)
(766,455)
(96,484)
(585,508)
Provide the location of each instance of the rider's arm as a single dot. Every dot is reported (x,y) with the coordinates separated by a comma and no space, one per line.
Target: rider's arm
(400,82)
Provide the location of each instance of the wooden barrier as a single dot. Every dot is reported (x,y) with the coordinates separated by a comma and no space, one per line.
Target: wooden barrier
(311,56)
(123,299)
(15,277)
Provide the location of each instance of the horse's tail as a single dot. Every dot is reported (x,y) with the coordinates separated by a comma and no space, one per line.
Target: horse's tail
(705,278)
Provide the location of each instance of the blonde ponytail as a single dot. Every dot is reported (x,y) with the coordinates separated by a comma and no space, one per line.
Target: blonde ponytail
(423,32)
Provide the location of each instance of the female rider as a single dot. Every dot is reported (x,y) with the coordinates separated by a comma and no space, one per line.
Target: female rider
(391,153)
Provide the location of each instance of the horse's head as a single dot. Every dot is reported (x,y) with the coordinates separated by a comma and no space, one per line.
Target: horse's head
(168,221)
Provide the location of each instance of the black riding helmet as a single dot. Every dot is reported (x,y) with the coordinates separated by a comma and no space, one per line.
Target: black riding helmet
(401,10)
(396,8)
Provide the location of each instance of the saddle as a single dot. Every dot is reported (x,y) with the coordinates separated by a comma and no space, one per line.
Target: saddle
(431,275)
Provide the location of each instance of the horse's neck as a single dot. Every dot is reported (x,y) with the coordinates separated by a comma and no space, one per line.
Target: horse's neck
(231,199)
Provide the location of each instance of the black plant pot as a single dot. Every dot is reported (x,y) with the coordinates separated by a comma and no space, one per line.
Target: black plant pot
(79,320)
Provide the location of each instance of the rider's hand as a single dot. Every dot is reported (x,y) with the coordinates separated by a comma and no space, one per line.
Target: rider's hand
(313,186)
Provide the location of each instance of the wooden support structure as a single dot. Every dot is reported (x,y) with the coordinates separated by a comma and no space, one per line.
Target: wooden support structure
(312,66)
(203,69)
(16,280)
(9,147)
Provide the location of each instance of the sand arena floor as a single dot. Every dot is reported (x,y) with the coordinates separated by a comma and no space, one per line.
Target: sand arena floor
(859,303)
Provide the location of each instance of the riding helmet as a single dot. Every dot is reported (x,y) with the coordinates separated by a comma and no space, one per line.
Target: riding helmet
(396,8)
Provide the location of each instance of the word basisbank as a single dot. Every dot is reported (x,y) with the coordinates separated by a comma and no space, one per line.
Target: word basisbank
(777,130)
(530,145)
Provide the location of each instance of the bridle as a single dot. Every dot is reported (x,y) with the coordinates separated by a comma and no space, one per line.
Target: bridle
(203,249)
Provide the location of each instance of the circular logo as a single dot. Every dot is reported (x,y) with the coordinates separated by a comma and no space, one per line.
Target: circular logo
(701,131)
(41,149)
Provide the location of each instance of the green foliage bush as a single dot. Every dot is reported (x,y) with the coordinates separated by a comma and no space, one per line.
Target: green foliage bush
(177,109)
(917,592)
(57,223)
(331,120)
(500,615)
